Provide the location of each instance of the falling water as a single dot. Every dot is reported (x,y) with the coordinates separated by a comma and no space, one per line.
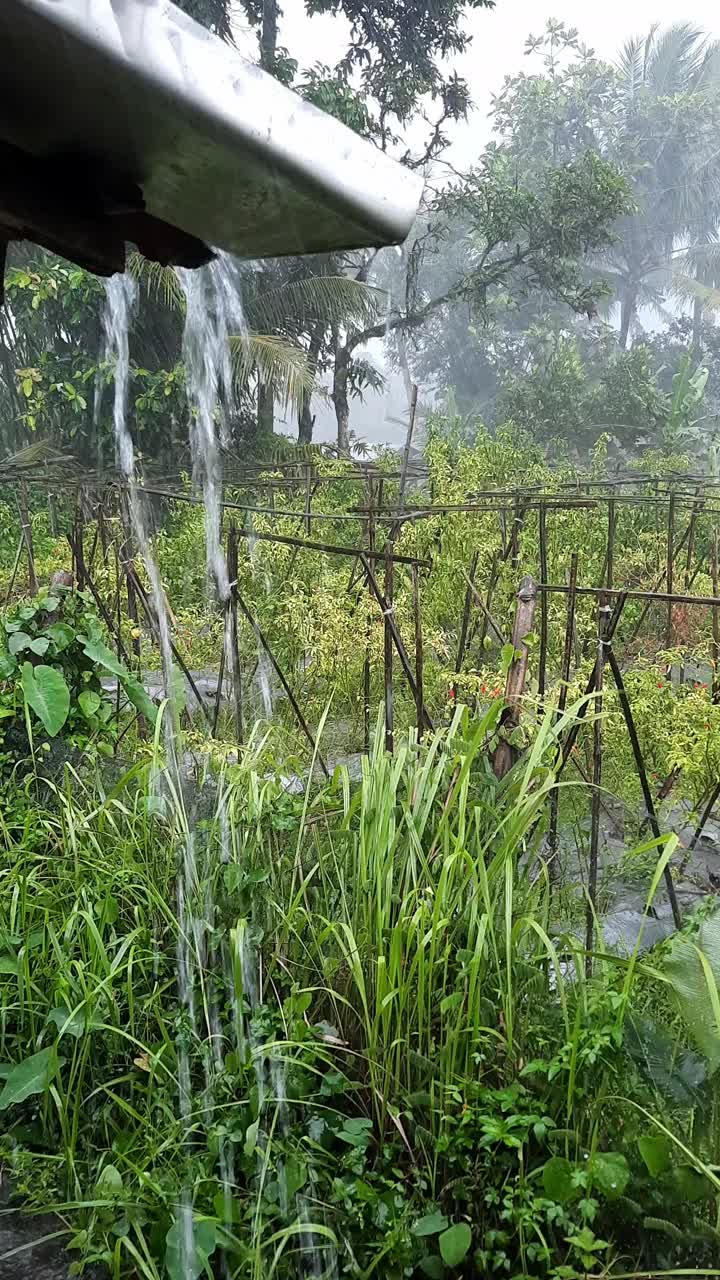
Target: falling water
(213,312)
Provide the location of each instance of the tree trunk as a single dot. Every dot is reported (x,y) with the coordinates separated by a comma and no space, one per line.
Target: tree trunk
(697,323)
(265,410)
(269,34)
(628,307)
(340,396)
(306,420)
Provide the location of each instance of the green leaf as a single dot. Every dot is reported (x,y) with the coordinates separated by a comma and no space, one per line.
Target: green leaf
(89,702)
(10,964)
(99,653)
(69,1024)
(47,693)
(655,1150)
(432,1267)
(110,1183)
(187,1260)
(431,1225)
(29,1077)
(61,635)
(455,1243)
(20,640)
(690,1186)
(557,1179)
(610,1173)
(49,604)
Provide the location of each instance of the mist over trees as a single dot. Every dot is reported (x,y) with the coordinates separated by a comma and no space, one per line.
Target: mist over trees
(566,282)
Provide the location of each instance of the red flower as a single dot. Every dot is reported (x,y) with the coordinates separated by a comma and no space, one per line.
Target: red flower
(496,693)
(660,684)
(483,688)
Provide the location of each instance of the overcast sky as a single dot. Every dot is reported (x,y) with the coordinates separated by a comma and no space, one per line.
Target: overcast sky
(497,50)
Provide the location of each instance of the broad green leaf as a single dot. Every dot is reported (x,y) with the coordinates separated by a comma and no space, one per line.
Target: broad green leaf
(188,1248)
(110,1182)
(89,702)
(432,1267)
(693,967)
(47,693)
(61,635)
(455,1243)
(655,1150)
(610,1173)
(690,1186)
(10,964)
(431,1225)
(557,1179)
(21,640)
(29,1077)
(49,604)
(99,653)
(69,1024)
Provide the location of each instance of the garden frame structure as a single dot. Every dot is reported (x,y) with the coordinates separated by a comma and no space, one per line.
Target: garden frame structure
(387,502)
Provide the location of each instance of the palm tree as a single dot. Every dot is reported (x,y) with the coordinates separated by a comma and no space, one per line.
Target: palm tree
(665,137)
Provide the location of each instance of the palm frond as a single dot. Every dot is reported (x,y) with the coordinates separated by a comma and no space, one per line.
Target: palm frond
(675,59)
(296,305)
(158,282)
(685,288)
(631,68)
(280,364)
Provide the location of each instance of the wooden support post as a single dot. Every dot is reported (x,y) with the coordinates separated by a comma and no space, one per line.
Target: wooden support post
(368,623)
(26,524)
(396,637)
(490,621)
(562,703)
(542,657)
(572,735)
(669,572)
(603,619)
(612,526)
(715,621)
(388,649)
(465,620)
(419,668)
(308,499)
(504,756)
(230,637)
(281,677)
(16,565)
(515,534)
(642,774)
(177,656)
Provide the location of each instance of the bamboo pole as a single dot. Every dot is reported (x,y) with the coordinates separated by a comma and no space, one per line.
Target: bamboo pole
(419,662)
(603,619)
(669,572)
(465,619)
(230,639)
(368,624)
(397,639)
(281,677)
(26,525)
(715,620)
(388,649)
(562,703)
(484,609)
(542,657)
(505,754)
(640,766)
(408,446)
(16,565)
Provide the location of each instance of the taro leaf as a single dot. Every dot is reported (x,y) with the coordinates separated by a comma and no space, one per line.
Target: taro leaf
(557,1179)
(432,1267)
(693,967)
(455,1243)
(610,1173)
(47,693)
(188,1248)
(99,653)
(49,604)
(20,641)
(61,635)
(655,1150)
(8,666)
(29,1077)
(89,702)
(431,1225)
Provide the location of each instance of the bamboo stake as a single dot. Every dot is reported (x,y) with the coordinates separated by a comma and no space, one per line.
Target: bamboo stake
(603,618)
(612,525)
(483,608)
(542,657)
(640,766)
(231,638)
(419,668)
(16,565)
(715,620)
(670,569)
(281,677)
(562,702)
(177,656)
(505,754)
(464,621)
(397,639)
(388,650)
(26,525)
(368,624)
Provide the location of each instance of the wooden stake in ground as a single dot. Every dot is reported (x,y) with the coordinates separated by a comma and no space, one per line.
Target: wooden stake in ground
(465,620)
(670,569)
(603,619)
(230,636)
(562,703)
(418,652)
(27,533)
(408,446)
(542,659)
(715,621)
(388,649)
(504,755)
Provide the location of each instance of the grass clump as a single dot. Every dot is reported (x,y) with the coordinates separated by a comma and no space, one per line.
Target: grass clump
(390,1062)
